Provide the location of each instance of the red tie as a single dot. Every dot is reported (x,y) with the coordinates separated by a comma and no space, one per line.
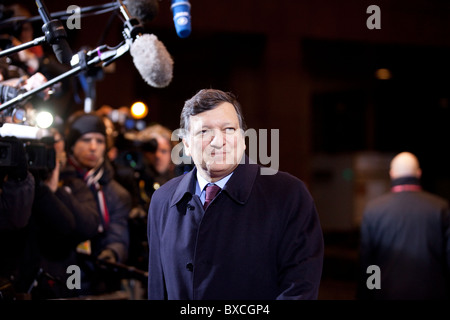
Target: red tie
(210,192)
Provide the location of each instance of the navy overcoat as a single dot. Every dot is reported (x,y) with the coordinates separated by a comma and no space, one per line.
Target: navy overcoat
(259,239)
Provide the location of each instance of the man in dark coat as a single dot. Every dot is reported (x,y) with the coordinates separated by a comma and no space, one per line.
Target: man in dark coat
(405,237)
(259,238)
(16,188)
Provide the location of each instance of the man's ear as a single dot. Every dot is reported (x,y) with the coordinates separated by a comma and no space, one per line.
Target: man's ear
(419,173)
(187,148)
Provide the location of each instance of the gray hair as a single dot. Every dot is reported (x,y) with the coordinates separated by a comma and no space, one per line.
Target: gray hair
(204,100)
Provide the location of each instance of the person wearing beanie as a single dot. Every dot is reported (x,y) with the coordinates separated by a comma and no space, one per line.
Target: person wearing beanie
(85,145)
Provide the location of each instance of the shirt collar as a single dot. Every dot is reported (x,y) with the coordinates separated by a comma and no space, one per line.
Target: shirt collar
(405,180)
(239,187)
(202,182)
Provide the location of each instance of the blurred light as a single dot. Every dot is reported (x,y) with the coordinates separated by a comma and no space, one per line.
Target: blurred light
(141,125)
(131,161)
(139,110)
(75,60)
(44,119)
(129,124)
(383,74)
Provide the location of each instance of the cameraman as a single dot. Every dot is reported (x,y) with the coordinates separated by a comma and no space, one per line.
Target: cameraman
(35,258)
(63,219)
(16,200)
(16,187)
(17,184)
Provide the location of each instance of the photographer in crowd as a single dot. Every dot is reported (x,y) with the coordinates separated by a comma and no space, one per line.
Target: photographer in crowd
(41,223)
(16,187)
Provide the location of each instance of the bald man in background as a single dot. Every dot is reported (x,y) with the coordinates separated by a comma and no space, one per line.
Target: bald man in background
(406,233)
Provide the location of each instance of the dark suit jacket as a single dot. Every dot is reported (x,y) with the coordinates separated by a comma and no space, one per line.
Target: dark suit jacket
(407,235)
(260,238)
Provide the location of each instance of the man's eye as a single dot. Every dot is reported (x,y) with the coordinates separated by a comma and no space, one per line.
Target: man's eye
(203,132)
(230,130)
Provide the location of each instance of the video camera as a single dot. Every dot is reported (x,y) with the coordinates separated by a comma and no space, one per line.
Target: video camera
(131,152)
(38,145)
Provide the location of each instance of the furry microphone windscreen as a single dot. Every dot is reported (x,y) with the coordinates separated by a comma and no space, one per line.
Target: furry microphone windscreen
(152,60)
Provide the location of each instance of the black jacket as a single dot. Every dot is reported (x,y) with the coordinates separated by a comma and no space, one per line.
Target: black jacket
(407,235)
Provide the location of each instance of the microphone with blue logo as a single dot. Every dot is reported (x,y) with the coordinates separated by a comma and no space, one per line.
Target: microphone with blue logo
(181,10)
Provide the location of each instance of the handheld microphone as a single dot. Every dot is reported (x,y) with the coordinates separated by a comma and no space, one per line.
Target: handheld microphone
(150,56)
(181,10)
(55,34)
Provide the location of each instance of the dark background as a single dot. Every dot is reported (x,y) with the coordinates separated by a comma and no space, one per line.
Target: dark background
(306,68)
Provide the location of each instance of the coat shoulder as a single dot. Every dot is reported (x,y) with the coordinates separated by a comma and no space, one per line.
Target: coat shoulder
(436,200)
(281,179)
(167,189)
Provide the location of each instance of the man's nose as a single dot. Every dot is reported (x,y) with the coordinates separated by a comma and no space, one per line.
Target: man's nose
(217,139)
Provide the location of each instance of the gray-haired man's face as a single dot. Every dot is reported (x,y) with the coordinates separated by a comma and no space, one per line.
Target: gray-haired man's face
(215,141)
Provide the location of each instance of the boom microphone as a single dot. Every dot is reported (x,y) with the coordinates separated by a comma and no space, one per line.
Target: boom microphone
(55,34)
(152,60)
(150,56)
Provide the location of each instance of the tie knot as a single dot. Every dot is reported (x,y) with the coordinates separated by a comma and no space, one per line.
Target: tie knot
(211,191)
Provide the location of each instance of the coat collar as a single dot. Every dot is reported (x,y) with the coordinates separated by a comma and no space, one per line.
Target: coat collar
(186,186)
(238,187)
